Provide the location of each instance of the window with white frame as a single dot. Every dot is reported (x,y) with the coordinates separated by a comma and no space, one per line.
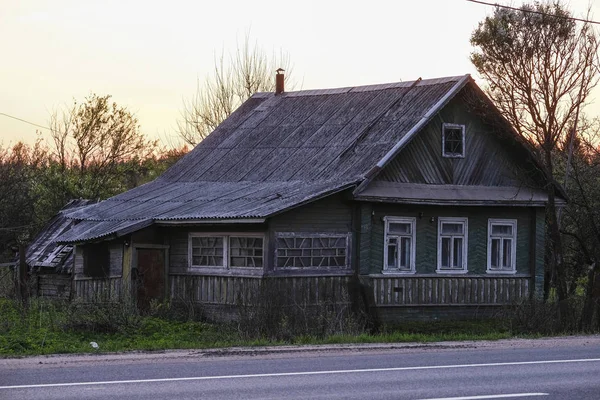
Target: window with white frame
(399,255)
(502,246)
(452,245)
(226,251)
(453,140)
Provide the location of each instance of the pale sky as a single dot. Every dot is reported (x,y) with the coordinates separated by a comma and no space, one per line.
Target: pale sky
(149,54)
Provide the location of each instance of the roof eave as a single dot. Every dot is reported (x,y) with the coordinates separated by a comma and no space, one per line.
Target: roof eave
(438,202)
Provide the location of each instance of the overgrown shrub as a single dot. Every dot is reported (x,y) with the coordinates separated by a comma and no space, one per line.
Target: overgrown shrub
(177,309)
(546,317)
(7,282)
(101,316)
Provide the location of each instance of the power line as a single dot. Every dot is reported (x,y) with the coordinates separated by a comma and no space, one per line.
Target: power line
(535,12)
(22,120)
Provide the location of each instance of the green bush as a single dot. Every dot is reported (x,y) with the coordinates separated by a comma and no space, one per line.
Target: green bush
(103,316)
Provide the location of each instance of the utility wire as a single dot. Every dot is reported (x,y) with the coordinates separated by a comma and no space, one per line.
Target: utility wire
(535,12)
(27,122)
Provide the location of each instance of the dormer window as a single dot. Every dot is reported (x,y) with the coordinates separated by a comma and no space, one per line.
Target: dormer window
(453,140)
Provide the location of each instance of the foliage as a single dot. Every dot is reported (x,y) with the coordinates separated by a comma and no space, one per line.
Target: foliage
(234,79)
(96,151)
(18,167)
(46,327)
(540,67)
(99,142)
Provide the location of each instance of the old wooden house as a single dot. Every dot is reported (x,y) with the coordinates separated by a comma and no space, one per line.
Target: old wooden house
(420,190)
(50,264)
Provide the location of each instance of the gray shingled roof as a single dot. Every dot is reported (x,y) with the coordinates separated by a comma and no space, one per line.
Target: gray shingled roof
(275,153)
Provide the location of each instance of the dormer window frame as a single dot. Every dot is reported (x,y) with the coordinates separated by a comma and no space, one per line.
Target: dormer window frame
(446,127)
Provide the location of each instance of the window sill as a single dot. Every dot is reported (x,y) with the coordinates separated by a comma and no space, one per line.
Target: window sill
(451,271)
(311,272)
(501,272)
(397,272)
(222,271)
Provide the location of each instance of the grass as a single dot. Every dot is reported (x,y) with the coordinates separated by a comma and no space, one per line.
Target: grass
(53,328)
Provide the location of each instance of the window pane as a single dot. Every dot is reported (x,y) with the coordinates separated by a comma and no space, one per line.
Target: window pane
(399,228)
(453,141)
(207,251)
(445,253)
(495,256)
(311,251)
(405,253)
(458,253)
(505,230)
(392,254)
(452,228)
(507,254)
(245,252)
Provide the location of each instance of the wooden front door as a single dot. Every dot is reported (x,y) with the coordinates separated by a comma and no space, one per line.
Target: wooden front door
(150,279)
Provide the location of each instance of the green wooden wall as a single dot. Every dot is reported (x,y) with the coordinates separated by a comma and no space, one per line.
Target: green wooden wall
(372,229)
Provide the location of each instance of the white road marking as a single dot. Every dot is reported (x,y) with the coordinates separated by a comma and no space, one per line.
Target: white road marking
(492,396)
(343,371)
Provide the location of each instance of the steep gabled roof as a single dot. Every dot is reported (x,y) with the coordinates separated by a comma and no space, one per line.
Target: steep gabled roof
(274,153)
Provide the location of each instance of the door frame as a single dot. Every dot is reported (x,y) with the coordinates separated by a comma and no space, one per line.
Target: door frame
(134,262)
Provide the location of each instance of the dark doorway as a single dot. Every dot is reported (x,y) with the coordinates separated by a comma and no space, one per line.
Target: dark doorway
(150,277)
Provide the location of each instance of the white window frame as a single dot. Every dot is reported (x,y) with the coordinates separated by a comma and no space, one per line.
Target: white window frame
(465,246)
(226,244)
(513,249)
(453,126)
(413,224)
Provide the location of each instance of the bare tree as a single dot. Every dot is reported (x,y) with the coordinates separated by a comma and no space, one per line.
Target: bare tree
(235,79)
(540,66)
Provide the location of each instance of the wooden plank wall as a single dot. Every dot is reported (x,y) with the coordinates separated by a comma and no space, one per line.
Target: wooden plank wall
(227,290)
(102,289)
(54,286)
(467,290)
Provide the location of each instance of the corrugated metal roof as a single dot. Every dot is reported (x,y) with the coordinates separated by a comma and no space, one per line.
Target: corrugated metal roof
(275,152)
(44,252)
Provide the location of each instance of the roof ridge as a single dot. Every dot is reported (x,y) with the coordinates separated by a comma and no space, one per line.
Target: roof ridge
(364,88)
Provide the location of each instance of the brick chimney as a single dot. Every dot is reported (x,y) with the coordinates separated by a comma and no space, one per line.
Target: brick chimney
(279,81)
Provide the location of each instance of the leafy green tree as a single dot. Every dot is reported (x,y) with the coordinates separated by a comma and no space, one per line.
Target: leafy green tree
(97,141)
(18,166)
(540,67)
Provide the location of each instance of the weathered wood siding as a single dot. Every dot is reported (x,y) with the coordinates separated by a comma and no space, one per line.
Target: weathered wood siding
(489,160)
(78,261)
(178,250)
(234,290)
(106,289)
(54,286)
(426,235)
(115,259)
(456,290)
(332,214)
(540,240)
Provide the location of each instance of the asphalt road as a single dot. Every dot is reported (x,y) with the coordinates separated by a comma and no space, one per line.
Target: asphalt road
(554,369)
